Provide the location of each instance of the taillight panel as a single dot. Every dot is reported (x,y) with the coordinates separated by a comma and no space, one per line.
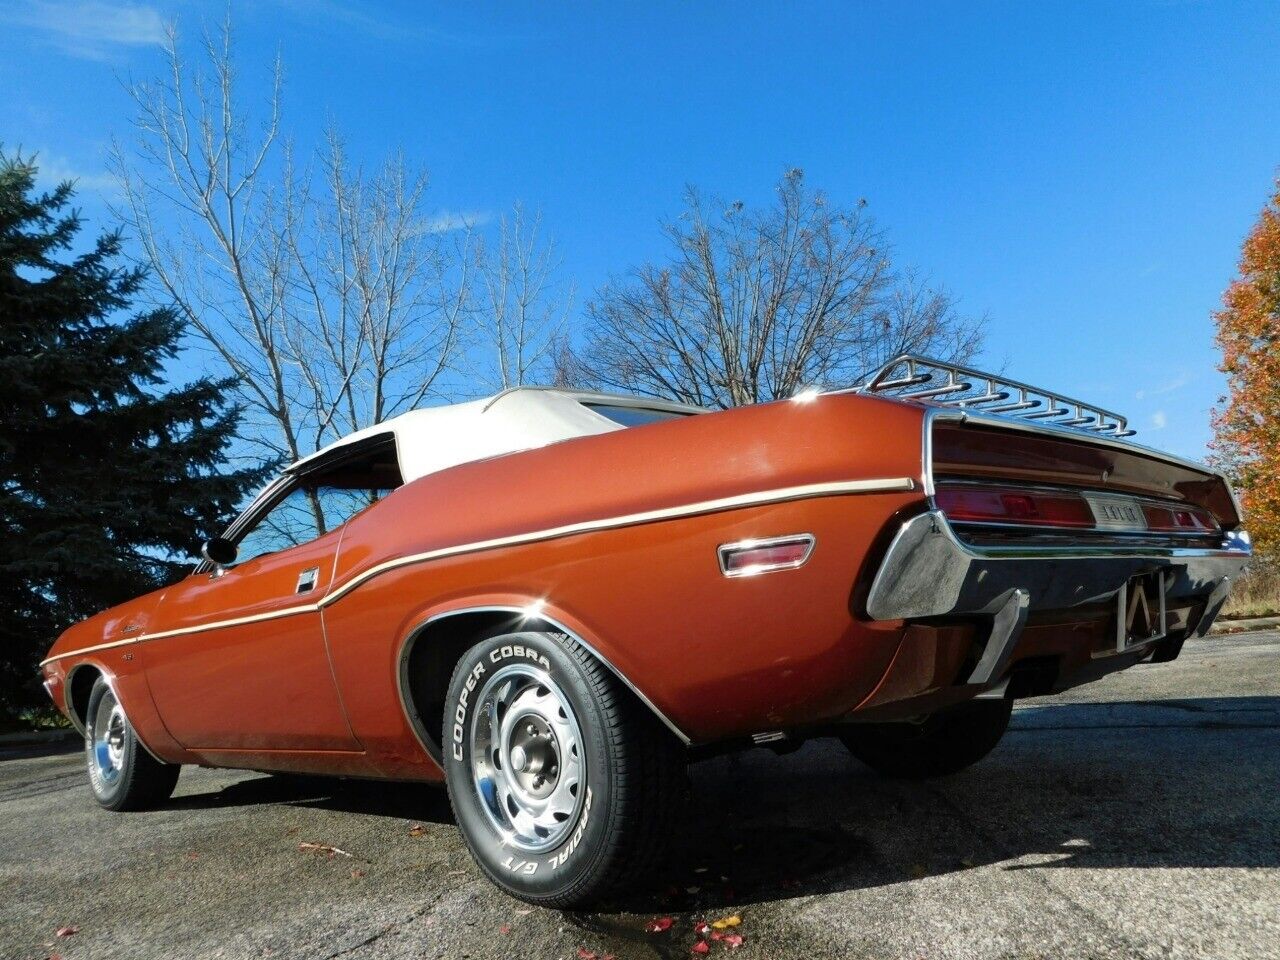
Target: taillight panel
(995,504)
(1179,519)
(982,504)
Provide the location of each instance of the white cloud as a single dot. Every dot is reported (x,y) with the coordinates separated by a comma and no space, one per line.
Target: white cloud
(53,169)
(1158,420)
(374,21)
(1169,386)
(449,220)
(89,28)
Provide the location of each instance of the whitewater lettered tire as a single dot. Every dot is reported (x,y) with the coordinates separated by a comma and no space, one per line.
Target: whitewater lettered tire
(565,788)
(122,775)
(943,743)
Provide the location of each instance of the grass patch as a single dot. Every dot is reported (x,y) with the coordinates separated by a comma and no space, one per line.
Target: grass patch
(31,720)
(1256,593)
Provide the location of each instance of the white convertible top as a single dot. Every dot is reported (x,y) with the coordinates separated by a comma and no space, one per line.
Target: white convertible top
(436,438)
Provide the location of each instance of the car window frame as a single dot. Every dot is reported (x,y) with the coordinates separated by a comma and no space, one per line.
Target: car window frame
(286,483)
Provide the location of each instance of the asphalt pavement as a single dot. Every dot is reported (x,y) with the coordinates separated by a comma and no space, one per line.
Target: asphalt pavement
(1136,817)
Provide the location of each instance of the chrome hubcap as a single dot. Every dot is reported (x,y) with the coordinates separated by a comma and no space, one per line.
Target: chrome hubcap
(527,763)
(106,740)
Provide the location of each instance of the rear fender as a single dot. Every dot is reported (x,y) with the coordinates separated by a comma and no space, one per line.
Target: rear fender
(526,613)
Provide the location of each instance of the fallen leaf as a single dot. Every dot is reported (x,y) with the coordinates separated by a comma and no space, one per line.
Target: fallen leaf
(417,830)
(726,922)
(702,928)
(357,874)
(658,925)
(505,929)
(324,848)
(716,935)
(733,940)
(585,954)
(701,947)
(67,931)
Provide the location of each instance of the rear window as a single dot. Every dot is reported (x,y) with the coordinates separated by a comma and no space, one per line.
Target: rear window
(633,416)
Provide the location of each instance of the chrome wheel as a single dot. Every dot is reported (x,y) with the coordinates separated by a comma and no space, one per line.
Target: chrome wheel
(106,740)
(527,762)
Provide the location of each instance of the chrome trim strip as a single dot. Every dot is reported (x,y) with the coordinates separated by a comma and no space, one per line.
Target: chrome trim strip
(234,622)
(198,628)
(520,615)
(723,551)
(761,498)
(926,467)
(94,649)
(808,491)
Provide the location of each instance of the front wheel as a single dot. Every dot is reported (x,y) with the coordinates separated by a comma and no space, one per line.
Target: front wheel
(122,775)
(942,743)
(563,786)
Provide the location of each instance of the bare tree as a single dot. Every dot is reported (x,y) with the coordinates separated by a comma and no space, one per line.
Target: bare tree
(755,304)
(523,309)
(330,293)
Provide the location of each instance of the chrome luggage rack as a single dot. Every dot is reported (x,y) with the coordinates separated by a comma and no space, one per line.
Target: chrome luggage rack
(912,377)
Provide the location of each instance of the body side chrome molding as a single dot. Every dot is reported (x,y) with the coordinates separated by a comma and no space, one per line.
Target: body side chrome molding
(740,501)
(781,495)
(520,616)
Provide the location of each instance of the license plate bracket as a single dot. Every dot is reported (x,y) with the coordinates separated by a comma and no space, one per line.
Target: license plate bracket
(1141,616)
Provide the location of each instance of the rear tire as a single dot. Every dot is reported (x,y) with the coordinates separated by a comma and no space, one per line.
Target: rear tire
(122,775)
(944,743)
(564,787)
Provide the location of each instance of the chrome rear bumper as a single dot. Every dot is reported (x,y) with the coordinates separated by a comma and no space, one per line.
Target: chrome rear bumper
(929,572)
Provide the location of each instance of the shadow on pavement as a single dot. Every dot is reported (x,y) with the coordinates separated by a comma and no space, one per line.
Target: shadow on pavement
(381,798)
(1163,783)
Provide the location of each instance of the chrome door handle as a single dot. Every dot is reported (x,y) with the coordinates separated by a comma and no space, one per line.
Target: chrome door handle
(307,579)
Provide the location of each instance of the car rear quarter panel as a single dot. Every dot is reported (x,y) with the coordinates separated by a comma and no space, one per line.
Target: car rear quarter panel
(719,657)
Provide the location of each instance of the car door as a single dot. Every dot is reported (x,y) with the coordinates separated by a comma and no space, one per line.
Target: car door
(239,660)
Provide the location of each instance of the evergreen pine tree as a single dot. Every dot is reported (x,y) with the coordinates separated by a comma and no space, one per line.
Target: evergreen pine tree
(108,477)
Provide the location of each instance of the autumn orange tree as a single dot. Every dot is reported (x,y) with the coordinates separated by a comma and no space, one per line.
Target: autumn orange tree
(1247,420)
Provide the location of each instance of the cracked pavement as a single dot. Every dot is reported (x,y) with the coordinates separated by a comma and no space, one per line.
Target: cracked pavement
(1135,817)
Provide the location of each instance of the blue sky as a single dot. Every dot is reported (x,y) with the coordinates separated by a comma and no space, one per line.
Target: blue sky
(1080,173)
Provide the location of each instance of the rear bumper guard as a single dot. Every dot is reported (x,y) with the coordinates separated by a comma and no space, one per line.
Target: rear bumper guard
(929,572)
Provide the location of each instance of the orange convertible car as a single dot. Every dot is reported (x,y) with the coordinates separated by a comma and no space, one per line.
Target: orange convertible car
(552,600)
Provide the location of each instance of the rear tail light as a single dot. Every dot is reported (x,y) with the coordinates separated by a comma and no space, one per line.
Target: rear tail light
(1179,519)
(1056,508)
(1025,507)
(750,557)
